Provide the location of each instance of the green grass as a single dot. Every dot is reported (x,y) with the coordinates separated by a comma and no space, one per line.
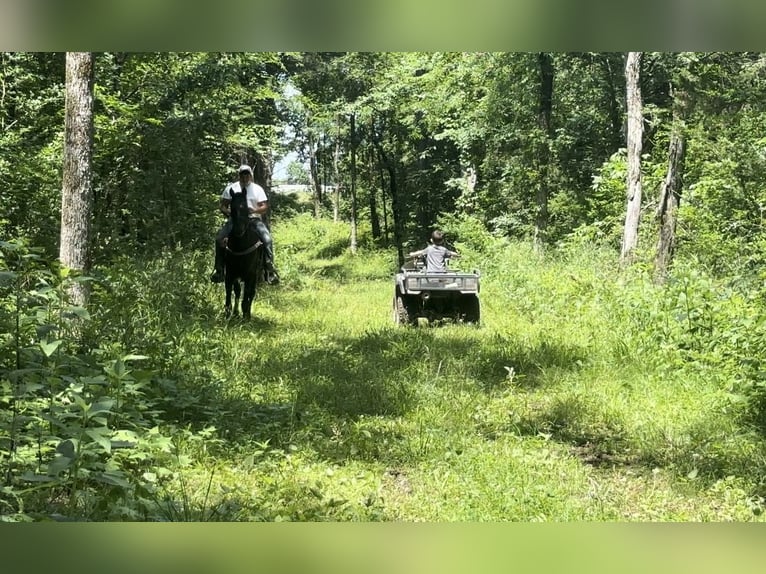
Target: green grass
(555,409)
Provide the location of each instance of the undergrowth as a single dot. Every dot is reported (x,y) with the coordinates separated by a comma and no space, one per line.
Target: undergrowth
(588,392)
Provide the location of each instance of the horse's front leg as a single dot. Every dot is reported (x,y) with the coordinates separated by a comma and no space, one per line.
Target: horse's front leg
(236,296)
(227,305)
(247,297)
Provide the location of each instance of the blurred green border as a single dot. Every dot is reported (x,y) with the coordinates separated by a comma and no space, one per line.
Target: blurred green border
(395,25)
(378,548)
(375,25)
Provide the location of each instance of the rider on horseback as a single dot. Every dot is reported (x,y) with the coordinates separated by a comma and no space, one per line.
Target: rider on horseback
(258,204)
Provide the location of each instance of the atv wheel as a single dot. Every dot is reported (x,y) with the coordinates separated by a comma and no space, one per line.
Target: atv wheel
(471,310)
(402,314)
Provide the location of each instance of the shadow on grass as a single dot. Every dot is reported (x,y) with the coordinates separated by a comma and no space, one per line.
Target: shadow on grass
(597,438)
(351,394)
(501,359)
(330,271)
(706,452)
(236,323)
(333,249)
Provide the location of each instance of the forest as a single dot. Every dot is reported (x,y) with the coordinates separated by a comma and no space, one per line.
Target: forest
(613,204)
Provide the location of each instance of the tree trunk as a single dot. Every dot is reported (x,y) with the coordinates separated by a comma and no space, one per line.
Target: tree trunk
(396,214)
(613,103)
(325,165)
(263,168)
(396,209)
(353,184)
(635,136)
(77,192)
(546,105)
(374,218)
(381,164)
(314,170)
(469,190)
(336,177)
(670,195)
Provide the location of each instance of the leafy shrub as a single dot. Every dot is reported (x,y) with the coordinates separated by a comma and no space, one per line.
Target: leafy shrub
(80,426)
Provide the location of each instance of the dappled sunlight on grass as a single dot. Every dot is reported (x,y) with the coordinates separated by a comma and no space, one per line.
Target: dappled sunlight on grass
(327,410)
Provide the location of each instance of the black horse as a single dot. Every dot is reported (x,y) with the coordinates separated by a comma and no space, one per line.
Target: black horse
(244,259)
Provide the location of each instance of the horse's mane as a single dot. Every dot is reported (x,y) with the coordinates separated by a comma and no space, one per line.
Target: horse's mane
(239,210)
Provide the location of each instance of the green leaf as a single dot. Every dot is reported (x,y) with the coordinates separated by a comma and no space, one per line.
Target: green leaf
(112,477)
(29,476)
(693,474)
(102,405)
(184,460)
(97,380)
(59,464)
(7,277)
(118,369)
(99,436)
(76,311)
(49,347)
(67,448)
(80,402)
(126,436)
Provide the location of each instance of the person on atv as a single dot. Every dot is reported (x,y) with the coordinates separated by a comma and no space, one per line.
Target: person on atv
(436,254)
(258,204)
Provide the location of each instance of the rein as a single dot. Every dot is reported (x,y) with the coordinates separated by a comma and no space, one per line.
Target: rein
(250,249)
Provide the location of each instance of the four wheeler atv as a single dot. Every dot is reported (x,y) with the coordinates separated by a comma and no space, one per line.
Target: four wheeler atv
(435,296)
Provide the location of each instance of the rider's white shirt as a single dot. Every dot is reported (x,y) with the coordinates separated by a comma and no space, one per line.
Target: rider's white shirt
(255,193)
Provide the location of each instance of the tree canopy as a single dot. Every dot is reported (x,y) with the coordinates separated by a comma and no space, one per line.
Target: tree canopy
(438,135)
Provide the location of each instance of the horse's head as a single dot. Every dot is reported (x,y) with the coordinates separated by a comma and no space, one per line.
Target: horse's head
(239,213)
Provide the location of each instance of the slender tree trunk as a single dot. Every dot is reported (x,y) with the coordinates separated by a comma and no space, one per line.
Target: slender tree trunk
(396,209)
(670,194)
(336,176)
(314,170)
(396,213)
(468,198)
(263,171)
(546,105)
(353,184)
(3,90)
(635,136)
(374,218)
(325,165)
(381,164)
(613,106)
(77,192)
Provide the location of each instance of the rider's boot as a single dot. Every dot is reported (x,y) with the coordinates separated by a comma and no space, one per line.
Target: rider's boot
(217,276)
(272,277)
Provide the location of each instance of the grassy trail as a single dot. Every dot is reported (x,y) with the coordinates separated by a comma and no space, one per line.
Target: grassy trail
(327,411)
